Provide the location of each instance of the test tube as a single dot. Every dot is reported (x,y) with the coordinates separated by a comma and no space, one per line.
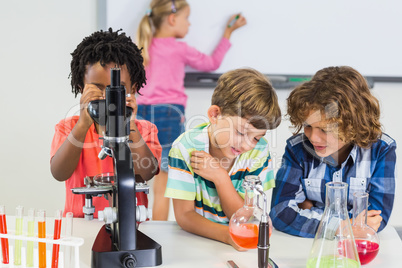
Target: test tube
(57,230)
(3,230)
(19,213)
(31,233)
(68,233)
(42,234)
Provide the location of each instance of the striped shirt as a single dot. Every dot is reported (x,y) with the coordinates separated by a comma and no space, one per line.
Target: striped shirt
(184,184)
(303,175)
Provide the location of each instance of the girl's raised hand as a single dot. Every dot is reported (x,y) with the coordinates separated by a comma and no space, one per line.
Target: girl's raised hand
(236,21)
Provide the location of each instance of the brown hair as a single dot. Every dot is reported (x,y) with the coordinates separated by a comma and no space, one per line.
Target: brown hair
(152,20)
(249,94)
(342,95)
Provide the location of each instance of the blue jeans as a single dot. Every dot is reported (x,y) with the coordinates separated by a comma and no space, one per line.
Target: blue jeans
(169,119)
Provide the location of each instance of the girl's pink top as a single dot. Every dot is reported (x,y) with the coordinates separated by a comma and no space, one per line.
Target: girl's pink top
(165,71)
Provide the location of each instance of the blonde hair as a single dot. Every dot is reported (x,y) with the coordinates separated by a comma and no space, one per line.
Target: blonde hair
(343,96)
(248,94)
(152,20)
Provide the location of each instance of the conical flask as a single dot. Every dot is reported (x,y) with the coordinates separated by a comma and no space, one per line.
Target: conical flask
(334,245)
(244,224)
(367,240)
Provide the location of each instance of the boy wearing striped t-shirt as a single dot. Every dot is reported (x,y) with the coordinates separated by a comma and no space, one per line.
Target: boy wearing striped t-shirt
(208,163)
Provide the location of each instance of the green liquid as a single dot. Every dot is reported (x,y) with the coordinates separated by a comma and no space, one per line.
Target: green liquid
(30,244)
(332,262)
(18,243)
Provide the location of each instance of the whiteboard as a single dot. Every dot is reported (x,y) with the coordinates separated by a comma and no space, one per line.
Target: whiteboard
(290,36)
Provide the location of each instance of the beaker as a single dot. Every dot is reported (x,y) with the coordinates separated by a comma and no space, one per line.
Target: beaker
(366,238)
(334,245)
(244,224)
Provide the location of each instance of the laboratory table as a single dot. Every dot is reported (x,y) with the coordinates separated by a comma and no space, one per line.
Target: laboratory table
(183,249)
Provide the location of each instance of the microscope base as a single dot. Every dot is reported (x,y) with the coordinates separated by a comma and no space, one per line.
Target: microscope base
(272,264)
(105,255)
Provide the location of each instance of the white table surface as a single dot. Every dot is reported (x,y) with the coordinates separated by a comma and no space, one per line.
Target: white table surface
(183,249)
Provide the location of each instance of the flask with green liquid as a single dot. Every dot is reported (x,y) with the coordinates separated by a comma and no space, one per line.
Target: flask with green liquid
(334,245)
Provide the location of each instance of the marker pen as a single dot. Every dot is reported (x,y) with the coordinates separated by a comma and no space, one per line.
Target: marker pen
(3,230)
(233,21)
(19,213)
(299,79)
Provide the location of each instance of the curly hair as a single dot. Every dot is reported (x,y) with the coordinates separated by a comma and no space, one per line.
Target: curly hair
(106,47)
(248,93)
(342,95)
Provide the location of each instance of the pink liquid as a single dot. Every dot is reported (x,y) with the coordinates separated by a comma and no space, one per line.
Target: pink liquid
(367,250)
(245,235)
(4,241)
(56,247)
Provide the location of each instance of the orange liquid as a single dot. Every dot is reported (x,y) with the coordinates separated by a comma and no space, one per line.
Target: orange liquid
(245,235)
(56,247)
(41,245)
(4,241)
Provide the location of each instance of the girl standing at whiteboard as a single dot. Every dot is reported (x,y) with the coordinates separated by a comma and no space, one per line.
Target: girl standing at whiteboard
(163,99)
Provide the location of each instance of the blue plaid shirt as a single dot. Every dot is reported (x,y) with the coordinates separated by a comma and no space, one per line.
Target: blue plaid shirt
(303,175)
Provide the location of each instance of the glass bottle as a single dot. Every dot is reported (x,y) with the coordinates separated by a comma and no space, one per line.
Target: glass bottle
(244,224)
(366,238)
(334,245)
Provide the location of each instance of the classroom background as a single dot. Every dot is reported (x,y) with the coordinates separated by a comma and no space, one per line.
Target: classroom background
(37,39)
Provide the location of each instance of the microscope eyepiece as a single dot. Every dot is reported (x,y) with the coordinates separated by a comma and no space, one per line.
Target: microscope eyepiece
(115,77)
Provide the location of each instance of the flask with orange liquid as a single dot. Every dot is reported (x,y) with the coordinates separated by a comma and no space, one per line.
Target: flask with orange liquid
(244,224)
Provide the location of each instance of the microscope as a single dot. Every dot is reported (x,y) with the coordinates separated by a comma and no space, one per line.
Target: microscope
(119,243)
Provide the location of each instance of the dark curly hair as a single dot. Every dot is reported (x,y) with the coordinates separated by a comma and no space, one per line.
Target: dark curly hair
(106,47)
(341,94)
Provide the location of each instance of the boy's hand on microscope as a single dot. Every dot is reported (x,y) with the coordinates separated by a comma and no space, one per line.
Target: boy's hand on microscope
(90,93)
(207,166)
(132,102)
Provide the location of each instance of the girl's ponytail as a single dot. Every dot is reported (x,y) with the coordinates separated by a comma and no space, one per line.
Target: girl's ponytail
(159,9)
(144,37)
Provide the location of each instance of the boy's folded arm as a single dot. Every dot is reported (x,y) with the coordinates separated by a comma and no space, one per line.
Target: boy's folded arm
(192,222)
(230,200)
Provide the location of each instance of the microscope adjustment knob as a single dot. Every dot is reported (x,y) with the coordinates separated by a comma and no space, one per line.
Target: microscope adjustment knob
(129,261)
(89,211)
(108,215)
(143,213)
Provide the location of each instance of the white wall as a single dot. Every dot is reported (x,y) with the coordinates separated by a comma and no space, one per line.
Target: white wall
(37,39)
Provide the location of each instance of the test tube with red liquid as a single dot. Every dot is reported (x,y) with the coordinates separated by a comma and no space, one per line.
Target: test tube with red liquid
(42,234)
(3,230)
(57,231)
